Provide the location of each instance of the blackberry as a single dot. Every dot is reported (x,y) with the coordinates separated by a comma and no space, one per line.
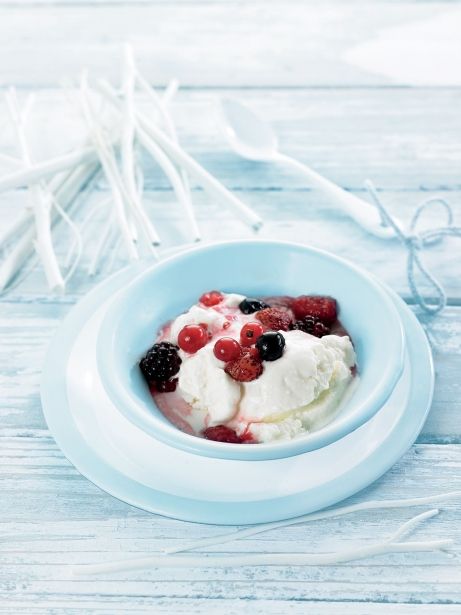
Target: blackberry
(312,325)
(249,306)
(160,363)
(164,386)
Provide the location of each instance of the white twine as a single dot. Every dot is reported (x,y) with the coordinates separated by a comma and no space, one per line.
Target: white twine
(329,513)
(391,544)
(415,242)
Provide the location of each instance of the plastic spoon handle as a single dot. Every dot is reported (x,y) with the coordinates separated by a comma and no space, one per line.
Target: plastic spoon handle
(361,211)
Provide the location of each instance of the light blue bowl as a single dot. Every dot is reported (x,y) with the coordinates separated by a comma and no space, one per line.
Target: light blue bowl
(253,268)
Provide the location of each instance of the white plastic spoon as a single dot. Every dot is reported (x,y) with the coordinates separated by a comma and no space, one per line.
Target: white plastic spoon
(250,137)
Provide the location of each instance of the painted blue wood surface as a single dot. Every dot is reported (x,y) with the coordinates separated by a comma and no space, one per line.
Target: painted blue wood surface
(293,61)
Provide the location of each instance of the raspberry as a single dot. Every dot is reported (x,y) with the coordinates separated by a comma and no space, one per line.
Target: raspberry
(213,297)
(253,353)
(323,308)
(276,319)
(250,332)
(227,349)
(160,363)
(246,368)
(221,433)
(312,325)
(192,337)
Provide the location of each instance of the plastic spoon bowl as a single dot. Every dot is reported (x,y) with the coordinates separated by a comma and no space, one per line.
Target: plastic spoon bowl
(252,138)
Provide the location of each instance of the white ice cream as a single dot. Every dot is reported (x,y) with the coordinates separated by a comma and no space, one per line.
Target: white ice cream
(315,375)
(204,384)
(297,393)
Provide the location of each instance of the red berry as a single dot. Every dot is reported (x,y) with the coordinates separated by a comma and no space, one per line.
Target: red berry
(276,319)
(253,352)
(221,433)
(213,297)
(246,368)
(192,337)
(323,308)
(227,349)
(250,332)
(205,327)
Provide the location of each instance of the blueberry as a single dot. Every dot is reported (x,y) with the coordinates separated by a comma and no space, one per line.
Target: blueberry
(270,345)
(249,306)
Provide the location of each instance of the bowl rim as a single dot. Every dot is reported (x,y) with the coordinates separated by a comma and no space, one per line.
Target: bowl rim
(170,434)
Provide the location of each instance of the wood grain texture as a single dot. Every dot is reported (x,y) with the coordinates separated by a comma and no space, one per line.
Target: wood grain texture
(295,61)
(404,139)
(79,524)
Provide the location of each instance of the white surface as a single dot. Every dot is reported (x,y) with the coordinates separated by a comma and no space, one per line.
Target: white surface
(423,52)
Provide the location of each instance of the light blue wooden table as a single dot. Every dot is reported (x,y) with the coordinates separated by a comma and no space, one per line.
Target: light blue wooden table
(351,89)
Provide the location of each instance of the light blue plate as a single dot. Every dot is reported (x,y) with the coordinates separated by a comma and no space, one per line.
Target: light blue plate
(376,450)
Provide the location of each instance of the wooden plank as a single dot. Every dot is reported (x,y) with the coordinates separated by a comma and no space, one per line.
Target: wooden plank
(402,139)
(258,43)
(52,517)
(105,605)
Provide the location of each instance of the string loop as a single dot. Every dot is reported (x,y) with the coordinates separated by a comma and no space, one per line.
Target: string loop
(415,242)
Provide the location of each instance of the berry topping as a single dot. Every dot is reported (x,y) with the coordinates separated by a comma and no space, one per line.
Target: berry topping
(253,353)
(213,297)
(323,308)
(279,301)
(166,386)
(221,433)
(246,368)
(312,325)
(249,306)
(270,346)
(192,337)
(276,319)
(160,363)
(250,332)
(227,349)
